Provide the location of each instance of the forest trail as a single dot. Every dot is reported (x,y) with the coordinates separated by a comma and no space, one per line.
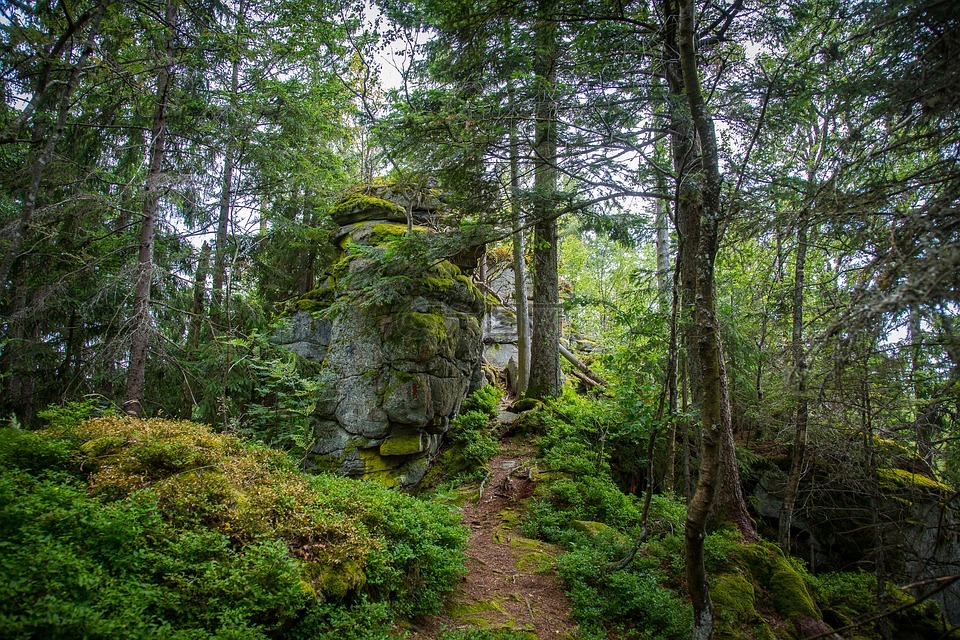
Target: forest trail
(511,582)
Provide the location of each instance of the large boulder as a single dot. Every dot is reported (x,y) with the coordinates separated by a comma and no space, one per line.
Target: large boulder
(398,371)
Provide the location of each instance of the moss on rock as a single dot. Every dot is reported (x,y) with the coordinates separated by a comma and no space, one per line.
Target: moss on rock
(404,444)
(734,597)
(378,469)
(901,479)
(359,206)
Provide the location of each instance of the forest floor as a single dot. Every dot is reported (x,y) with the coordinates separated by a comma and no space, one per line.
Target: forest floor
(511,582)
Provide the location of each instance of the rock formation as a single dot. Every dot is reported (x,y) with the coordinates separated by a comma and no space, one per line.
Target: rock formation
(400,350)
(848,517)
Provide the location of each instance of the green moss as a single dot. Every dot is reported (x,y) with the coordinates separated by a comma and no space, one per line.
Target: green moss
(526,404)
(322,462)
(102,446)
(597,529)
(438,284)
(533,556)
(384,233)
(378,469)
(785,586)
(474,613)
(426,333)
(336,581)
(789,592)
(357,202)
(403,444)
(734,598)
(312,306)
(900,479)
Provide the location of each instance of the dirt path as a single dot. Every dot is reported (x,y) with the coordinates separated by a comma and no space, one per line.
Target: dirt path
(511,582)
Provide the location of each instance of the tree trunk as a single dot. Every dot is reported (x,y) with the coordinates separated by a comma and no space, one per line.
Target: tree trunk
(797,460)
(707,358)
(673,355)
(199,293)
(226,199)
(544,351)
(519,259)
(141,320)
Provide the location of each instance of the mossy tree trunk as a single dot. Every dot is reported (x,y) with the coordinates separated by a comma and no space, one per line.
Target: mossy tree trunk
(698,221)
(545,344)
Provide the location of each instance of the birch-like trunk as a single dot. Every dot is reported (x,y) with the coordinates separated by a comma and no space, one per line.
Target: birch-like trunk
(141,320)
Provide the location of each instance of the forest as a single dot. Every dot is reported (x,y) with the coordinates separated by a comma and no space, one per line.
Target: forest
(480,320)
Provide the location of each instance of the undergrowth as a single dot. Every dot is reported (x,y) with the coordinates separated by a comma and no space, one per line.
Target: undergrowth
(757,591)
(118,527)
(470,442)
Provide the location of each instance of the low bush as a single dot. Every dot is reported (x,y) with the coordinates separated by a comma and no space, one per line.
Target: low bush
(469,443)
(486,400)
(118,527)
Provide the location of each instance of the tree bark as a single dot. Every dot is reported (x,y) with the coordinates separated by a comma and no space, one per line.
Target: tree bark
(199,293)
(226,197)
(544,351)
(519,259)
(801,417)
(699,215)
(141,320)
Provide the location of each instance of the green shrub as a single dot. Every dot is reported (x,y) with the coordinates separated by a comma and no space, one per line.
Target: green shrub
(33,452)
(469,447)
(630,603)
(486,400)
(419,560)
(585,497)
(70,414)
(118,527)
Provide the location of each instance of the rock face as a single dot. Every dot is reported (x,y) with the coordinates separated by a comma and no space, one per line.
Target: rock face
(398,370)
(844,515)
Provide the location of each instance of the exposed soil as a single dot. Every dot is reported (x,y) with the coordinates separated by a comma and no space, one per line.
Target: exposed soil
(511,582)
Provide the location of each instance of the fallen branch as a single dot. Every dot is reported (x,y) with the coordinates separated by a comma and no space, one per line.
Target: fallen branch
(590,382)
(482,483)
(584,369)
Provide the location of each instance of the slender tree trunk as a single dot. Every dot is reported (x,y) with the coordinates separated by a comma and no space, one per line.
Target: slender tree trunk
(685,408)
(226,197)
(199,293)
(519,259)
(544,351)
(713,401)
(664,272)
(923,415)
(141,319)
(673,355)
(797,460)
